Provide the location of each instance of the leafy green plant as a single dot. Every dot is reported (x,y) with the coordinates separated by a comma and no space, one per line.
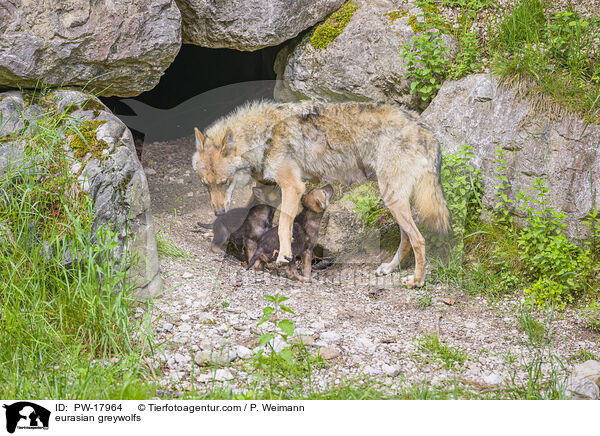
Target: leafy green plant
(368,205)
(590,315)
(560,269)
(283,328)
(426,64)
(467,59)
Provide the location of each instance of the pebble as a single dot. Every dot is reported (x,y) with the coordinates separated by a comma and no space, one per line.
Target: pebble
(216,357)
(391,370)
(223,374)
(167,326)
(181,358)
(493,379)
(331,336)
(184,327)
(244,352)
(150,171)
(303,339)
(187,275)
(329,353)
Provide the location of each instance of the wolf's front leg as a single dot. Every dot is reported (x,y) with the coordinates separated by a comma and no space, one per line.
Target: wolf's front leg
(292,189)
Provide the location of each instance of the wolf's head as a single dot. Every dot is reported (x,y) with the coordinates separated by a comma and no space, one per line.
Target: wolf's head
(318,199)
(219,168)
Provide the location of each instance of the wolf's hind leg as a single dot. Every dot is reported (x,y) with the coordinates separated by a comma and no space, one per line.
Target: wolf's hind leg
(401,211)
(401,253)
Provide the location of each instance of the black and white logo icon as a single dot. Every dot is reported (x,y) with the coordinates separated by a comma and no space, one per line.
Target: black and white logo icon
(26,415)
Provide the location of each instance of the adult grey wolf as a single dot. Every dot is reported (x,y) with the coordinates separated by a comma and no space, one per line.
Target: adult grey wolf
(306,231)
(288,143)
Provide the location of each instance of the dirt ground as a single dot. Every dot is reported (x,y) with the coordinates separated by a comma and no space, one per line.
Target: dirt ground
(366,327)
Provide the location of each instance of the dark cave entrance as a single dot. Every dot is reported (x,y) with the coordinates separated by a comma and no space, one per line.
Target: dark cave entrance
(201,85)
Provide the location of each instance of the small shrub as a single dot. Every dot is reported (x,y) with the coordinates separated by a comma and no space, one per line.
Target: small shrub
(427,67)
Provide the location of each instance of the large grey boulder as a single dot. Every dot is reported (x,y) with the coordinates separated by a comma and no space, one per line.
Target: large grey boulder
(249,24)
(480,112)
(362,63)
(111,175)
(115,48)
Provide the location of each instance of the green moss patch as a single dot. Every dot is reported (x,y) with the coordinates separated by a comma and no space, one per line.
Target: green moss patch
(333,26)
(394,15)
(82,140)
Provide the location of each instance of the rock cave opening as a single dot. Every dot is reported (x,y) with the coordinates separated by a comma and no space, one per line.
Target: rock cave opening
(201,85)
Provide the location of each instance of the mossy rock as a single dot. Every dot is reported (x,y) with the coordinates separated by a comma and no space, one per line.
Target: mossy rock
(333,26)
(394,15)
(82,140)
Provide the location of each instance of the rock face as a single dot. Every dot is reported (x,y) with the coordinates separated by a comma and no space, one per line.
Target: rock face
(362,63)
(581,388)
(115,48)
(589,369)
(249,24)
(115,182)
(477,111)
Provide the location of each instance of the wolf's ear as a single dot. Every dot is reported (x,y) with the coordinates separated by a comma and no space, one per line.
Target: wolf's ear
(199,140)
(227,146)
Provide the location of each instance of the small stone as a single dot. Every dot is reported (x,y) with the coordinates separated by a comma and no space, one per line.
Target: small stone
(303,340)
(211,358)
(329,353)
(187,275)
(149,171)
(581,388)
(184,327)
(391,370)
(180,358)
(590,370)
(185,317)
(223,374)
(167,326)
(319,325)
(244,352)
(331,336)
(493,379)
(189,194)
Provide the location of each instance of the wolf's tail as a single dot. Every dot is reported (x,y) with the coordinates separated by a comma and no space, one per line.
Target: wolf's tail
(205,226)
(429,199)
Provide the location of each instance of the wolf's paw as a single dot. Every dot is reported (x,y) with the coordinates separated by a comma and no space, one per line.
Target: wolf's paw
(283,260)
(385,269)
(216,249)
(411,282)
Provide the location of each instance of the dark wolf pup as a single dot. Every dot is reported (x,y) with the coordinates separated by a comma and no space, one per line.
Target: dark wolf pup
(243,226)
(288,143)
(305,231)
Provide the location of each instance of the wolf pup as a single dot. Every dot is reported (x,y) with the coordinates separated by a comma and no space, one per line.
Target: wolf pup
(305,230)
(243,226)
(287,143)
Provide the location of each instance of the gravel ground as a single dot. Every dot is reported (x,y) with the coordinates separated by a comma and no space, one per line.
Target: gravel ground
(366,328)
